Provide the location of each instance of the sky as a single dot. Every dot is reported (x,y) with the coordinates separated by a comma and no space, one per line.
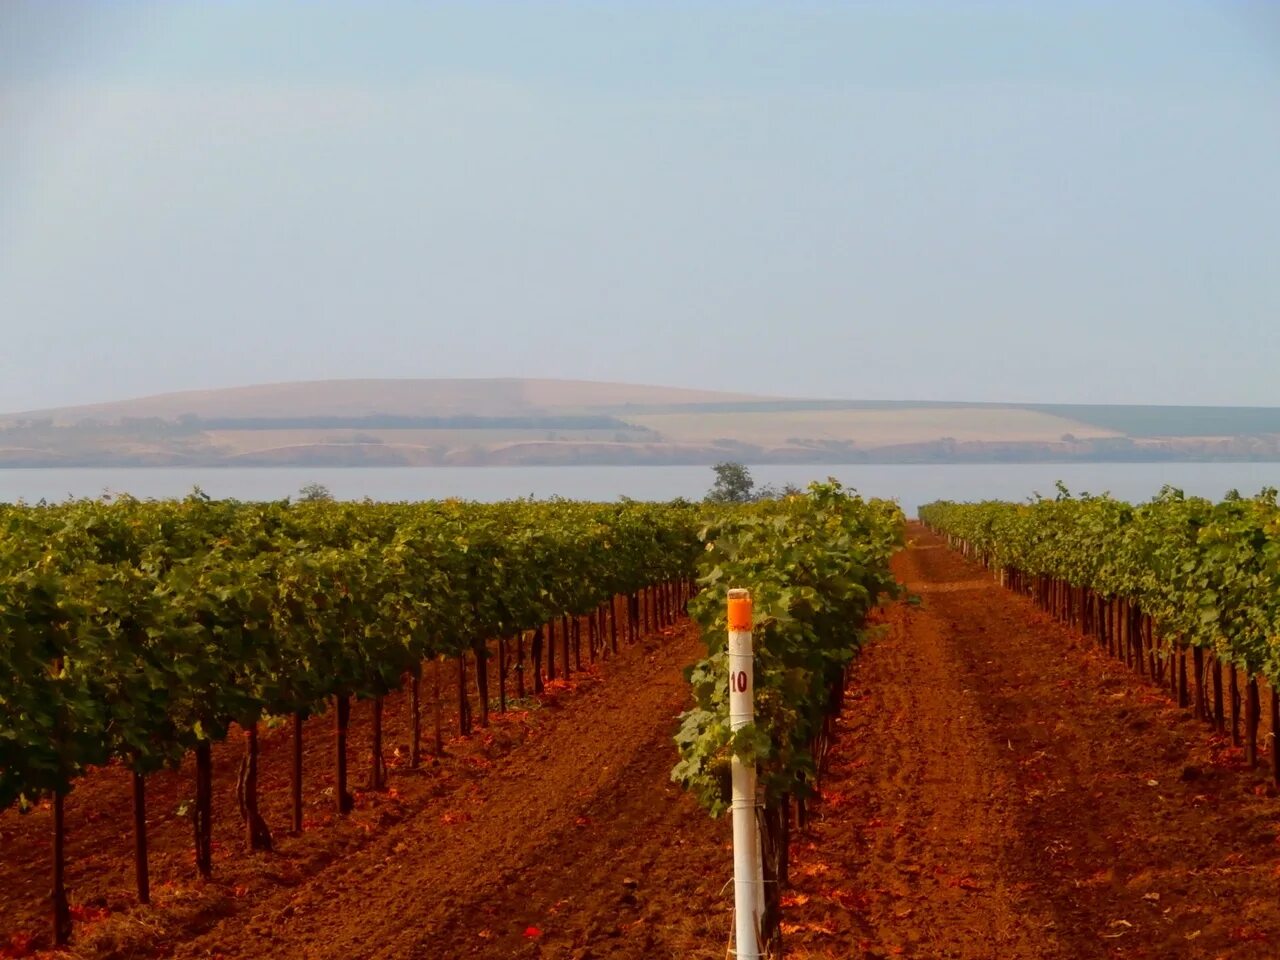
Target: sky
(1056,202)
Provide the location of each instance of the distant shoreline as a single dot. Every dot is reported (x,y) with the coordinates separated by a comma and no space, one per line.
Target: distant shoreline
(559,464)
(555,423)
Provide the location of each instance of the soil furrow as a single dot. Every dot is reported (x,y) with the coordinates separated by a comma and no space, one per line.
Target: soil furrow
(533,857)
(1002,788)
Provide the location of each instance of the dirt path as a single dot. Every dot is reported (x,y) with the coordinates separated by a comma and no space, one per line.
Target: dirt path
(554,852)
(1001,789)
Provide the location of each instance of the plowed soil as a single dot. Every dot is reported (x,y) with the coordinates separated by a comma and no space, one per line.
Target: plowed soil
(999,788)
(1003,789)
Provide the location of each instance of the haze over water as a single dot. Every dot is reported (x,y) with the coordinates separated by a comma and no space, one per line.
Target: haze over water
(910,484)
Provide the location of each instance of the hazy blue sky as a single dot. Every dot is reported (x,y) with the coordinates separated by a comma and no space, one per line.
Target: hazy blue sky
(1025,201)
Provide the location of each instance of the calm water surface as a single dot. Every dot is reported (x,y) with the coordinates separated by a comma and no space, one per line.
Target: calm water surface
(911,484)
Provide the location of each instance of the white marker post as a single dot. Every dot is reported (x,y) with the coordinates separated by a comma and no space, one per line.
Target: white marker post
(746,867)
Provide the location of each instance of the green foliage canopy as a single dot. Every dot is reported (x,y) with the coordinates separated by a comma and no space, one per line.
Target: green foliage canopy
(815,564)
(134,630)
(1208,574)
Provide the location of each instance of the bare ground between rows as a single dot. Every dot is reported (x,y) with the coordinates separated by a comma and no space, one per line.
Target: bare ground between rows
(1003,789)
(569,847)
(424,810)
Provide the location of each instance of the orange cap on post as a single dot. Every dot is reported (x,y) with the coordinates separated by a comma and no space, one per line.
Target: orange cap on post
(739,609)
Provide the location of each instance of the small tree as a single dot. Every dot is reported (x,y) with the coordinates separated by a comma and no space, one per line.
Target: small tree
(770,492)
(733,484)
(314,493)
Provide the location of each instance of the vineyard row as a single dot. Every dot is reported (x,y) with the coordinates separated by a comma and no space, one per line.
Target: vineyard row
(138,632)
(816,565)
(1173,580)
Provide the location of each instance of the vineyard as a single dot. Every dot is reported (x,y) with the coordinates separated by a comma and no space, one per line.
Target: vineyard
(344,730)
(1153,584)
(139,633)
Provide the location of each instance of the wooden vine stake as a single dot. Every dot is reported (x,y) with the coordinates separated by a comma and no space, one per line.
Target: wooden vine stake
(295,780)
(520,665)
(1275,737)
(140,869)
(535,655)
(502,674)
(61,909)
(1219,715)
(551,649)
(377,763)
(257,836)
(415,736)
(1235,707)
(1252,705)
(613,623)
(481,651)
(202,812)
(464,702)
(435,709)
(342,717)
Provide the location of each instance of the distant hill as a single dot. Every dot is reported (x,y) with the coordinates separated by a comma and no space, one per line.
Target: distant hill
(512,421)
(362,398)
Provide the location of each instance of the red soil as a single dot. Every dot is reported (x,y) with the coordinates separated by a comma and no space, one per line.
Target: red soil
(1003,789)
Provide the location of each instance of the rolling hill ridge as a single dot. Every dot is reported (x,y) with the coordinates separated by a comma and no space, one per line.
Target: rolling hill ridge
(514,421)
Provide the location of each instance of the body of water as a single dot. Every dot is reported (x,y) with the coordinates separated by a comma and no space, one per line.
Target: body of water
(910,484)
